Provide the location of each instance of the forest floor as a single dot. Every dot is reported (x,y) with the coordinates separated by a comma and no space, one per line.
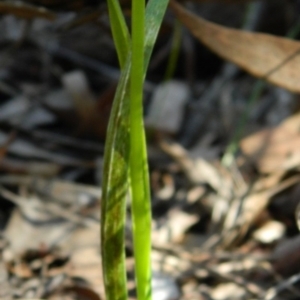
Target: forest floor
(224,155)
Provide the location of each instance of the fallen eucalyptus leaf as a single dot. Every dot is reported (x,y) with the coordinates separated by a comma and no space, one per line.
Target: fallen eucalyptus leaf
(272,58)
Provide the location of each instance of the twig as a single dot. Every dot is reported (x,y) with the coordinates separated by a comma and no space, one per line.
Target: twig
(274,291)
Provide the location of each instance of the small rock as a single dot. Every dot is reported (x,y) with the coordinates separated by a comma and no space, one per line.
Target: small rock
(164,287)
(226,291)
(167,106)
(270,232)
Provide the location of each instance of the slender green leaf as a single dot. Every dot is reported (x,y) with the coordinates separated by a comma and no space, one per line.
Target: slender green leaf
(155,12)
(119,30)
(114,190)
(115,182)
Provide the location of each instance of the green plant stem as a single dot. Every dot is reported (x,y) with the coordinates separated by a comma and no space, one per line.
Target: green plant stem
(232,149)
(175,50)
(141,209)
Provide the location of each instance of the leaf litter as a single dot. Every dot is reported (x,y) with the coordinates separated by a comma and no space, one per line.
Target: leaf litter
(219,231)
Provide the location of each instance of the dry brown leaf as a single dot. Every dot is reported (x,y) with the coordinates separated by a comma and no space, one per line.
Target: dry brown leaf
(243,214)
(167,263)
(25,11)
(199,171)
(273,58)
(275,149)
(177,223)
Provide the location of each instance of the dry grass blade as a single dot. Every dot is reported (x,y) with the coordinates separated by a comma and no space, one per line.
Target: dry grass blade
(272,58)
